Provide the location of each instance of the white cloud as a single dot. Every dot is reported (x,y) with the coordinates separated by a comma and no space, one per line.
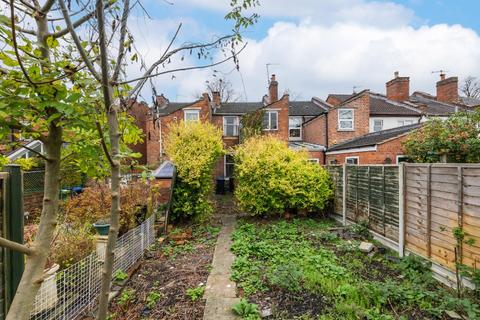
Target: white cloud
(313,58)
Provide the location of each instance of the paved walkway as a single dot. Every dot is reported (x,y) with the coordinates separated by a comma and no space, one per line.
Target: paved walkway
(220,291)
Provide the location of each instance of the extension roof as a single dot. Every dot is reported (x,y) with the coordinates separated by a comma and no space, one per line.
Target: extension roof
(374,138)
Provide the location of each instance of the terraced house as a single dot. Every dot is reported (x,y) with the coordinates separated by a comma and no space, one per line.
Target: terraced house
(369,128)
(301,124)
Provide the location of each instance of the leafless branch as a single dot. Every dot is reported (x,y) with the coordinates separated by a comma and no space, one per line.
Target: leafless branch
(76,40)
(36,152)
(181,69)
(121,41)
(15,246)
(80,21)
(47,6)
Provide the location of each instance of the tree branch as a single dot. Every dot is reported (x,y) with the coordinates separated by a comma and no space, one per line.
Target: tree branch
(47,6)
(36,152)
(103,143)
(80,21)
(15,246)
(121,41)
(77,42)
(181,69)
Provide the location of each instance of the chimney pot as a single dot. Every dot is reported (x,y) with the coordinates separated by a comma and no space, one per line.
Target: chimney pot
(442,76)
(395,74)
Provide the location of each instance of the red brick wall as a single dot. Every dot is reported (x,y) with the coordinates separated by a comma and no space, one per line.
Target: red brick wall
(333,101)
(320,155)
(315,130)
(282,107)
(164,122)
(152,138)
(140,112)
(361,105)
(33,203)
(389,149)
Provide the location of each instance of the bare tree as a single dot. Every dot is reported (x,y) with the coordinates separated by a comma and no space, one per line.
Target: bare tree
(224,87)
(471,87)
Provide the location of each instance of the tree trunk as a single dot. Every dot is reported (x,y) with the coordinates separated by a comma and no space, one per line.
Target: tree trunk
(32,277)
(114,134)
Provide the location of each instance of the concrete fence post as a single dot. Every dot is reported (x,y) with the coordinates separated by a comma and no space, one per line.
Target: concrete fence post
(344,195)
(401,210)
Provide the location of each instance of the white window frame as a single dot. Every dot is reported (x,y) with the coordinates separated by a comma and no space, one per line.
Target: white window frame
(299,138)
(269,127)
(401,156)
(225,165)
(191,111)
(349,120)
(314,160)
(236,123)
(381,126)
(353,157)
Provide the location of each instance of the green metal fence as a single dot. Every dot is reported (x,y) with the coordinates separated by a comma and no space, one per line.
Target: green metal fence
(33,181)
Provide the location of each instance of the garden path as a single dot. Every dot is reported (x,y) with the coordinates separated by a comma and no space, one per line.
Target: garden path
(220,291)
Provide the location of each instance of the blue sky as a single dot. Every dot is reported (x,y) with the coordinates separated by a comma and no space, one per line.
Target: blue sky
(320,47)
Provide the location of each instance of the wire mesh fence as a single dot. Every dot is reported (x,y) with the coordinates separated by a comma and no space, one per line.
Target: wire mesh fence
(33,181)
(73,292)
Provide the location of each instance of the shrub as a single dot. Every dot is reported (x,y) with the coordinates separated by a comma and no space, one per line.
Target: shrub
(271,178)
(71,245)
(28,164)
(94,204)
(456,138)
(194,148)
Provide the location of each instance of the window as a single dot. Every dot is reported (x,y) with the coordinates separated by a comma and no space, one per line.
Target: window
(402,158)
(314,160)
(351,160)
(345,119)
(270,120)
(402,123)
(230,126)
(192,115)
(229,165)
(295,128)
(334,161)
(377,125)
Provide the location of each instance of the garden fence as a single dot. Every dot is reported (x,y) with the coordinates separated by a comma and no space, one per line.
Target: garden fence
(415,207)
(73,292)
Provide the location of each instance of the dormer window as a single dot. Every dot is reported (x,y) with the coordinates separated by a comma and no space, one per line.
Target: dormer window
(345,119)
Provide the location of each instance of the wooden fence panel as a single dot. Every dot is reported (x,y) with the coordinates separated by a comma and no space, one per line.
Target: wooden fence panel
(336,174)
(440,198)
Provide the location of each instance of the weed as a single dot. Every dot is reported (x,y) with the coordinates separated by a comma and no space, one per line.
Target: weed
(246,310)
(120,275)
(126,297)
(195,293)
(152,299)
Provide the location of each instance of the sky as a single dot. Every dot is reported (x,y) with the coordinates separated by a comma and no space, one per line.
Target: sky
(315,47)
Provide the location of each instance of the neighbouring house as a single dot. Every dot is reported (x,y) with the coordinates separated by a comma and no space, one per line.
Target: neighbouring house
(380,147)
(301,124)
(354,118)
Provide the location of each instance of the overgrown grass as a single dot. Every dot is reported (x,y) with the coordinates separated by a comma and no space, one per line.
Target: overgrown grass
(304,256)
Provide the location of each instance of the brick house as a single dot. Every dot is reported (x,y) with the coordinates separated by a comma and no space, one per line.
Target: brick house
(369,127)
(301,124)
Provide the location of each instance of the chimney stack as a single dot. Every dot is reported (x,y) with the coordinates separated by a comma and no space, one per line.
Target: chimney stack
(273,89)
(447,89)
(398,89)
(216,98)
(161,101)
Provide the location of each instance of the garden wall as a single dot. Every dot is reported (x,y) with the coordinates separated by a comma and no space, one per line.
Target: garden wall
(417,207)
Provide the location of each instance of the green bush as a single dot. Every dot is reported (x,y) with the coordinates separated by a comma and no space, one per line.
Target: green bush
(271,178)
(194,148)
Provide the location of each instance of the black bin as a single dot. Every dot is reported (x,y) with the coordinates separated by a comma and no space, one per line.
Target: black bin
(220,187)
(231,185)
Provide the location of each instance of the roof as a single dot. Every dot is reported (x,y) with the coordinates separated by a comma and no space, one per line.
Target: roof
(305,108)
(301,145)
(433,107)
(470,102)
(171,107)
(237,108)
(341,96)
(165,171)
(380,105)
(374,138)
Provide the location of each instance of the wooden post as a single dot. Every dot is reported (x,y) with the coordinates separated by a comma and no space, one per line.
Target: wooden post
(429,211)
(401,209)
(460,207)
(344,195)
